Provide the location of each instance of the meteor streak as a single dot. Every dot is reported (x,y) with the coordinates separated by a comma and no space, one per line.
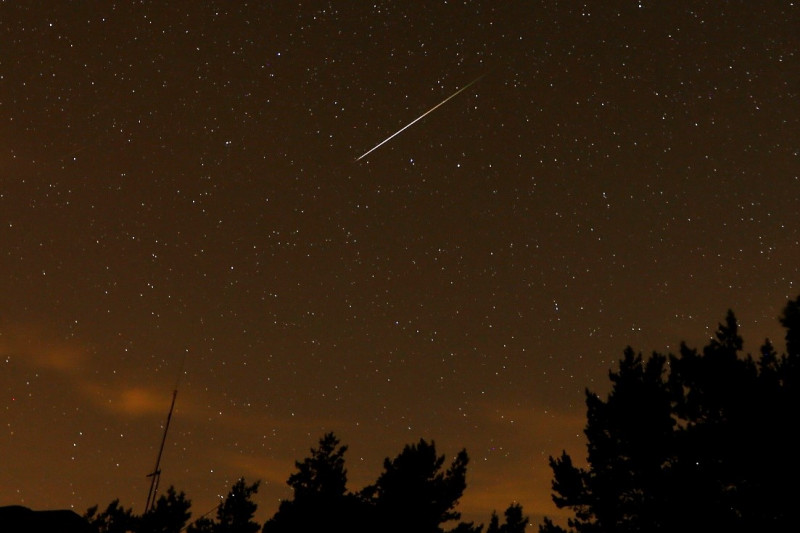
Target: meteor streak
(426,113)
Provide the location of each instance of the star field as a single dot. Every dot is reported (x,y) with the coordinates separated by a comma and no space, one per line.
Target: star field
(180,203)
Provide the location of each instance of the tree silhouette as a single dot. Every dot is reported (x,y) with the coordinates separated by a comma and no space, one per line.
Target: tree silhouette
(321,500)
(467,527)
(515,521)
(791,321)
(234,515)
(697,441)
(322,475)
(169,515)
(628,443)
(115,519)
(414,494)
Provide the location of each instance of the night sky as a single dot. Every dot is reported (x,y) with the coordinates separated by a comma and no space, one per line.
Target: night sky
(180,202)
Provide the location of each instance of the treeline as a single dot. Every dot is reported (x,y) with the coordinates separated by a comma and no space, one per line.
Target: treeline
(416,492)
(702,440)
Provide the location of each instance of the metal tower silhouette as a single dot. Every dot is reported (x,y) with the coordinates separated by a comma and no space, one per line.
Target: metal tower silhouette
(155,475)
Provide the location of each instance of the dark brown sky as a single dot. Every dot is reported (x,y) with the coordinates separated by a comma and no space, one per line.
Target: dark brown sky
(178,181)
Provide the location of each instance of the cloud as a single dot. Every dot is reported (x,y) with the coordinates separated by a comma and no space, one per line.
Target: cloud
(139,401)
(31,347)
(34,348)
(270,469)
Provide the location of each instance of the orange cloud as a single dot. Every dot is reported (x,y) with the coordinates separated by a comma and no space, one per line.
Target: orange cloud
(134,400)
(139,401)
(34,348)
(269,469)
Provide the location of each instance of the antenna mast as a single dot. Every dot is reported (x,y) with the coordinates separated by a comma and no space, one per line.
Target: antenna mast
(156,474)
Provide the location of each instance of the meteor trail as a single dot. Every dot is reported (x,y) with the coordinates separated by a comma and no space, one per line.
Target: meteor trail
(429,111)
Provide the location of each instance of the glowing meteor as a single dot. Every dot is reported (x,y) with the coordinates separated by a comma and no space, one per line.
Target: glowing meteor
(426,113)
